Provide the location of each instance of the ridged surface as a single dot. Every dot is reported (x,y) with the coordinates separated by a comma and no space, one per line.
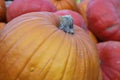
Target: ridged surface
(109,53)
(104,19)
(33,48)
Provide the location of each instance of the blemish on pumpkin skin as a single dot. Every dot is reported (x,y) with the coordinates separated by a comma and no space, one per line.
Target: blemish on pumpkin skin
(118,62)
(32,69)
(112,27)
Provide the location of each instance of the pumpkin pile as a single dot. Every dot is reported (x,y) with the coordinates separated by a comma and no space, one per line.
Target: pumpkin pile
(59,40)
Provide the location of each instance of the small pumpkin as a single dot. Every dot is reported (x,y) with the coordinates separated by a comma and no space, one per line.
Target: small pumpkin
(2,10)
(104,19)
(109,53)
(65,4)
(43,46)
(19,7)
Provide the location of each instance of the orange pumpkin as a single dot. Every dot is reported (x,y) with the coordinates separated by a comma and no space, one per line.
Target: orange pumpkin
(2,25)
(82,8)
(2,10)
(42,46)
(65,4)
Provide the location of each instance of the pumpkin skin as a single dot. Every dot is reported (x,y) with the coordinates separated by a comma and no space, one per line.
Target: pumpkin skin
(103,19)
(109,53)
(17,8)
(33,48)
(93,37)
(2,24)
(65,4)
(82,8)
(2,10)
(77,18)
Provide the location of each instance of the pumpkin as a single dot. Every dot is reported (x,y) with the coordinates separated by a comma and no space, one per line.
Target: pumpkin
(109,53)
(65,4)
(104,19)
(82,8)
(2,24)
(2,10)
(17,8)
(43,46)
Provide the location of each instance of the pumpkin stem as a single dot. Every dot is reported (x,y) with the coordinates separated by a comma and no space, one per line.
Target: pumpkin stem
(66,24)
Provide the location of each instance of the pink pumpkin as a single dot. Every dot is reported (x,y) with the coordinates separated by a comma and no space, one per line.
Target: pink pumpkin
(103,18)
(19,7)
(109,53)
